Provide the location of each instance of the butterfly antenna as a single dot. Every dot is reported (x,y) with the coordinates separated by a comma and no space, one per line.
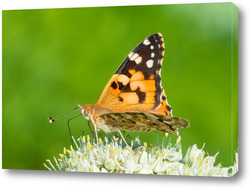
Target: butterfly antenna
(52,119)
(69,128)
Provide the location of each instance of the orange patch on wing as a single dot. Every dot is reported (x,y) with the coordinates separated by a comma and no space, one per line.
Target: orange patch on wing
(130,98)
(168,112)
(138,76)
(150,98)
(145,85)
(151,76)
(114,91)
(161,110)
(123,79)
(164,104)
(132,72)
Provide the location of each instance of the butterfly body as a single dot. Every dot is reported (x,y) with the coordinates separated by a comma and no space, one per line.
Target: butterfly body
(134,99)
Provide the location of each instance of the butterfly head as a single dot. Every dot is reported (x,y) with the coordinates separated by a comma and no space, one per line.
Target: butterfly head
(86,110)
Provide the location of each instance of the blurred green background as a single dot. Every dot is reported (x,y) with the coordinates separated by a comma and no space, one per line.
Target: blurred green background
(54,59)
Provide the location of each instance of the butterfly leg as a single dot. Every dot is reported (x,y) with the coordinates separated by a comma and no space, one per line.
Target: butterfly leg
(96,135)
(122,136)
(94,124)
(91,129)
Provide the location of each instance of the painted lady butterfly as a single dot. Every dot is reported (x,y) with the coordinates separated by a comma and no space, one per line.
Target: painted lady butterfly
(134,99)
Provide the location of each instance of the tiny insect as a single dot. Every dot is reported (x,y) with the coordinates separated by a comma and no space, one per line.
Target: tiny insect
(134,99)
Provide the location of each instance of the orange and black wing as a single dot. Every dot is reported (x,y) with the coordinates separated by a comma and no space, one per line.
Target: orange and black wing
(136,85)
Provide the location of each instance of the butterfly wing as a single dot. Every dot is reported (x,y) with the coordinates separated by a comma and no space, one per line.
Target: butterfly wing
(144,122)
(136,85)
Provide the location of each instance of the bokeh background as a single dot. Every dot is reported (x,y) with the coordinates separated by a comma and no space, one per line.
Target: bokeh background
(54,59)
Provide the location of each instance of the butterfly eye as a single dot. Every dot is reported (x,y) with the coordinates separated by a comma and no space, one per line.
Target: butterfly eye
(85,111)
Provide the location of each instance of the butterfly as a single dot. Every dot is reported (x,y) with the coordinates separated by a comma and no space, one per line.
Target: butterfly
(134,99)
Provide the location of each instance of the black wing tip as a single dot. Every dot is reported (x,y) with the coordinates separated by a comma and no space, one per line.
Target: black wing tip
(156,35)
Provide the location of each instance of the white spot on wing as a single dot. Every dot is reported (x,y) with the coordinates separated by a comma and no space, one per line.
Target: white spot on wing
(151,47)
(134,56)
(146,42)
(130,54)
(150,63)
(138,60)
(152,54)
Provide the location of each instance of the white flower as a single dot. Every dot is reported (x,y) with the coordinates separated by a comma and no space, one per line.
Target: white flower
(111,157)
(110,164)
(130,164)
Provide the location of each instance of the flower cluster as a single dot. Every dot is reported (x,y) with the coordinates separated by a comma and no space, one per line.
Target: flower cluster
(109,156)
